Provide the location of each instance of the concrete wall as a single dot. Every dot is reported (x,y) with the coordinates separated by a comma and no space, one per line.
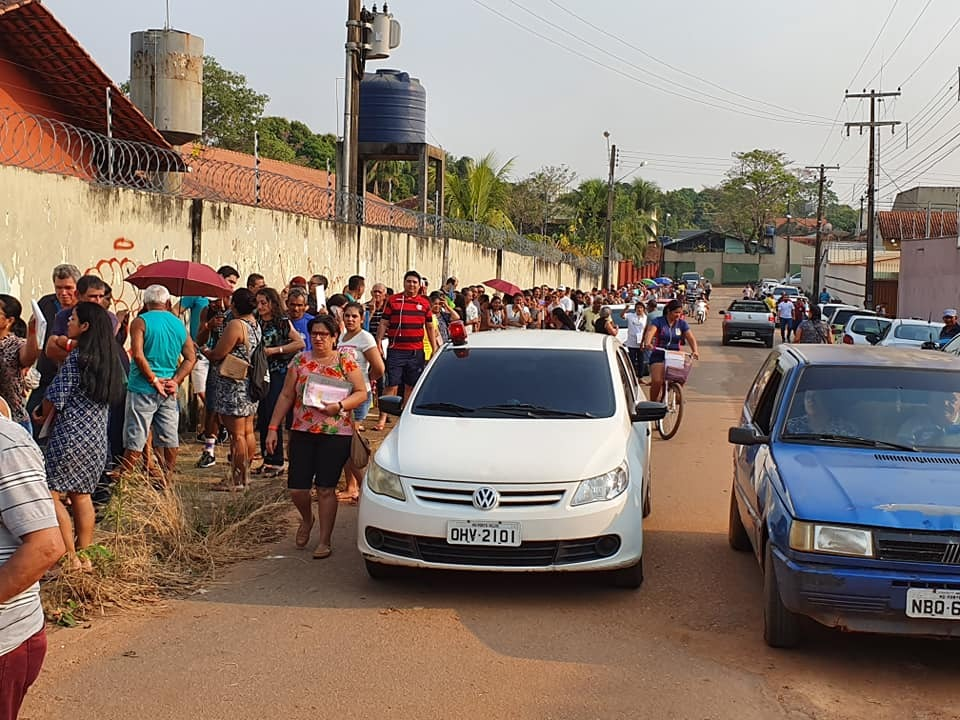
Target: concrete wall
(771,265)
(929,277)
(50,219)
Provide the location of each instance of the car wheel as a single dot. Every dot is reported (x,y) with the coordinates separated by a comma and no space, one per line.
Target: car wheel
(736,532)
(781,628)
(646,501)
(630,577)
(380,571)
(725,340)
(769,342)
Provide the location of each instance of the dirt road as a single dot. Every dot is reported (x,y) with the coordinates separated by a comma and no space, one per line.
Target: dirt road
(288,637)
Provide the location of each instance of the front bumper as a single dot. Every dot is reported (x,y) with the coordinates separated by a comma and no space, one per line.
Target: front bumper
(861,598)
(554,538)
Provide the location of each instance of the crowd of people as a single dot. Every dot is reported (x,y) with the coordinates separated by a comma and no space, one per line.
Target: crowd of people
(105,396)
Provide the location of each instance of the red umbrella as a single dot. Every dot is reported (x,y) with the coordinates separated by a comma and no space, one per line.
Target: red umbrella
(507,288)
(181,278)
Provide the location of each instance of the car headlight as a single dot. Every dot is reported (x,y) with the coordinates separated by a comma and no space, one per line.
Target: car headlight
(602,487)
(832,539)
(384,482)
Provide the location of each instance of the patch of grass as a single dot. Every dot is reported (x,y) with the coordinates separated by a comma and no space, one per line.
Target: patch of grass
(153,544)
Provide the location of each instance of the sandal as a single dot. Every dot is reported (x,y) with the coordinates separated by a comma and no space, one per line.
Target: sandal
(361,428)
(322,552)
(348,498)
(272,471)
(303,533)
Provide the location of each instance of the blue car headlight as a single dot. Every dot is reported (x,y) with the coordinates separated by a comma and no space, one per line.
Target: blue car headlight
(831,539)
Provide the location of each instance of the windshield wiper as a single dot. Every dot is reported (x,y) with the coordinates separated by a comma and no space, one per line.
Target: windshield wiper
(529,410)
(444,407)
(849,439)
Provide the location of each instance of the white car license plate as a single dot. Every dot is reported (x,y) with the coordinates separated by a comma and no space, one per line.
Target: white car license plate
(483,532)
(748,333)
(933,604)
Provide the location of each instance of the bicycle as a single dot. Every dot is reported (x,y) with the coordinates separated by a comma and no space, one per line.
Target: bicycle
(677,367)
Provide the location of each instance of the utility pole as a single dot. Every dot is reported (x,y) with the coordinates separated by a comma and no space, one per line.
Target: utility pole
(819,246)
(608,241)
(346,185)
(871,179)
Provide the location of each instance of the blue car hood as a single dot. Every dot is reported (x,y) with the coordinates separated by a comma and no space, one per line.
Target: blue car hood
(865,487)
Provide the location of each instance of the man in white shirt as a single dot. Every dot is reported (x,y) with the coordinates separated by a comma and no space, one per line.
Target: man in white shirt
(636,324)
(785,313)
(566,302)
(472,319)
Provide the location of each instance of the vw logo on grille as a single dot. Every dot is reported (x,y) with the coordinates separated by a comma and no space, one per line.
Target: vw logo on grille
(485,498)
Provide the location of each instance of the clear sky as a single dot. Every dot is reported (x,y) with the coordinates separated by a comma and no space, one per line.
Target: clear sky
(680,85)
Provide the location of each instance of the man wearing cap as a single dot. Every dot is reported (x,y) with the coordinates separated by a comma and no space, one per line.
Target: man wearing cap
(566,302)
(950,325)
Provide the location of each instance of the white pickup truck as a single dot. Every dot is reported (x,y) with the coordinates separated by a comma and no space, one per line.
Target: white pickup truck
(748,320)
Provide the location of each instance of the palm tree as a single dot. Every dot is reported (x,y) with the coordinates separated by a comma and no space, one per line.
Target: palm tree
(647,196)
(481,195)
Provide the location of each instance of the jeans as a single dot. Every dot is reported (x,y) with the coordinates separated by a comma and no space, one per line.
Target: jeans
(265,412)
(640,359)
(361,411)
(785,325)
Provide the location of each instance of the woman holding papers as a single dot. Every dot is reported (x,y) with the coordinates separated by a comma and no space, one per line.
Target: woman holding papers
(323,386)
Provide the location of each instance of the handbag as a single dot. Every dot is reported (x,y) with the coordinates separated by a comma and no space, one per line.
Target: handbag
(359,446)
(233,367)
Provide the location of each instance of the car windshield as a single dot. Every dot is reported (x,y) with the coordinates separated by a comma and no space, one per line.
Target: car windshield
(517,383)
(919,333)
(876,407)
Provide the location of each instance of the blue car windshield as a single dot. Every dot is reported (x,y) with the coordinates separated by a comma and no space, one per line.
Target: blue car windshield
(913,408)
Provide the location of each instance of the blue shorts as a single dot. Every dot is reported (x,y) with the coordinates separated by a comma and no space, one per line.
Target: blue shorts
(404,367)
(151,412)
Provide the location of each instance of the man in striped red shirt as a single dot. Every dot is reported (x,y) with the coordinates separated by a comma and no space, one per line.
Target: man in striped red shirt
(406,317)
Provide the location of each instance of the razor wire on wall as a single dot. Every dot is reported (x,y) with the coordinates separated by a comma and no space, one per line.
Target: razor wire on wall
(53,146)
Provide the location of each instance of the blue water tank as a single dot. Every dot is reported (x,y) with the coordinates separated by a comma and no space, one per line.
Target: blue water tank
(393,108)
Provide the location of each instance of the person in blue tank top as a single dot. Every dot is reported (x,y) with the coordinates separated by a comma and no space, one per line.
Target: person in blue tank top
(163,355)
(666,332)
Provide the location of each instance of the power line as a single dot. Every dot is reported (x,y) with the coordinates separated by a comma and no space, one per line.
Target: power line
(930,54)
(900,44)
(681,71)
(855,74)
(636,79)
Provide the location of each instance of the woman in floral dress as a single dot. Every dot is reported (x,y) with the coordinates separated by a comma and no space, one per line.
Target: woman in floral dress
(232,399)
(323,386)
(89,380)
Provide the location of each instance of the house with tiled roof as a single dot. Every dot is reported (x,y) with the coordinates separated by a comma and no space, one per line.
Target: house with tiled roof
(47,78)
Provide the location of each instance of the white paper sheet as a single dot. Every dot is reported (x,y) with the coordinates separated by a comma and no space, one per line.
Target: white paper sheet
(41,323)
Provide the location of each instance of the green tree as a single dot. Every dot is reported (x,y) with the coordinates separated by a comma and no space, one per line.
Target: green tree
(482,194)
(231,109)
(682,206)
(842,217)
(534,201)
(755,191)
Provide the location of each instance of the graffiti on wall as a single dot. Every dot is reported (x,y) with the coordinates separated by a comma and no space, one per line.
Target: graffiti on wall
(114,271)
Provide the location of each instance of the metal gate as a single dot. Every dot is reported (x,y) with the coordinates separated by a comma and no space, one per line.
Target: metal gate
(740,273)
(677,268)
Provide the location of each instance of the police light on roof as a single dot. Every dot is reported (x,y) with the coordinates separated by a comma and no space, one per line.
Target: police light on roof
(458,332)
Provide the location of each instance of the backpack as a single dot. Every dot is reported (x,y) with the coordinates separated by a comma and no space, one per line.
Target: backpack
(259,372)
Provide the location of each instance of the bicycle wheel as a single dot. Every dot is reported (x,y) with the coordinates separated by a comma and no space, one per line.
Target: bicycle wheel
(668,426)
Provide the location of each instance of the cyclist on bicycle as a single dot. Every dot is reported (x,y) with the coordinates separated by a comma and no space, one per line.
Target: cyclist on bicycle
(666,333)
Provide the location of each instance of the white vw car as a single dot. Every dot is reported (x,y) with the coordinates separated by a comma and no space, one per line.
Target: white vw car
(520,451)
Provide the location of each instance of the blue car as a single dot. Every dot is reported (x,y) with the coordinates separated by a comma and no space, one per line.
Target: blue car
(846,486)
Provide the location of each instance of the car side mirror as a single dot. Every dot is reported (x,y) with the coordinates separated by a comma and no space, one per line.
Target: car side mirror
(746,436)
(930,345)
(391,404)
(647,411)
(722,312)
(872,338)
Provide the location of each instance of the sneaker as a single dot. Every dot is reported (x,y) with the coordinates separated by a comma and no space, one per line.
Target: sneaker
(223,436)
(206,460)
